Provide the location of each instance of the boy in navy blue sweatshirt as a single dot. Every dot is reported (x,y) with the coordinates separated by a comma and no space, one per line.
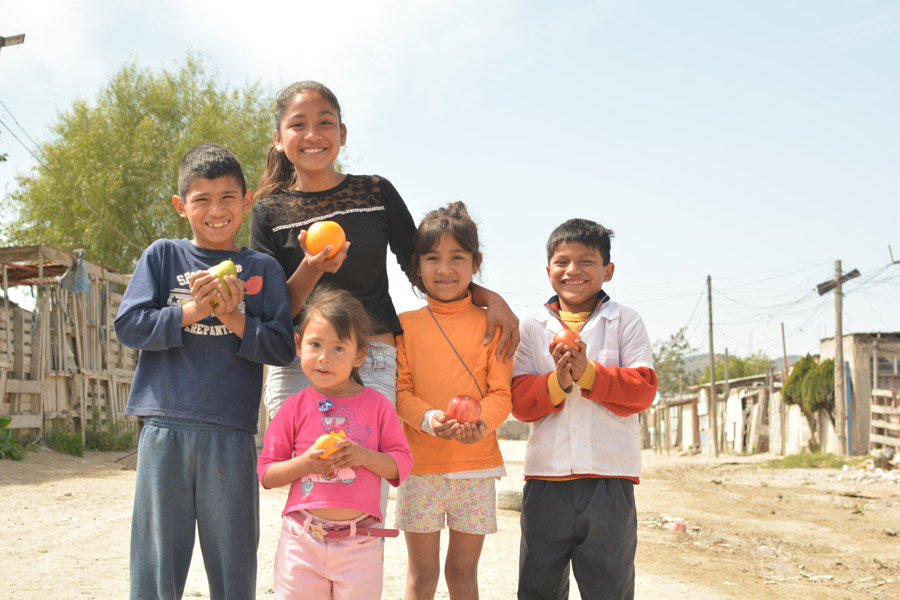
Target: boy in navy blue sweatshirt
(197,386)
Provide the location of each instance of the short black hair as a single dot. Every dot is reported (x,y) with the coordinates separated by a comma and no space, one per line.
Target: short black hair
(209,161)
(591,234)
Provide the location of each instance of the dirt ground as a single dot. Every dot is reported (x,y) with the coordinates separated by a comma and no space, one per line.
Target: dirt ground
(748,532)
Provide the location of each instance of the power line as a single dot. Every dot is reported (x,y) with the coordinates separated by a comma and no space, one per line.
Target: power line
(16,121)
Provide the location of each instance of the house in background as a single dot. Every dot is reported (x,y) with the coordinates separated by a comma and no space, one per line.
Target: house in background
(752,418)
(862,351)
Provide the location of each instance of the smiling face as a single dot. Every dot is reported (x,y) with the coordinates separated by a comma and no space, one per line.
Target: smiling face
(215,209)
(311,134)
(327,360)
(446,270)
(577,274)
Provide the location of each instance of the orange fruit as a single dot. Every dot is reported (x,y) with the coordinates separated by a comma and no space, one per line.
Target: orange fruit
(323,233)
(328,442)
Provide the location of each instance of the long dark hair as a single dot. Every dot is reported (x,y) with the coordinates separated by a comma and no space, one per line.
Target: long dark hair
(280,174)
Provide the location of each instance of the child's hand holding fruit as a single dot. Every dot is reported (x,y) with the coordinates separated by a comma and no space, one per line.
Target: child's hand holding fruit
(568,352)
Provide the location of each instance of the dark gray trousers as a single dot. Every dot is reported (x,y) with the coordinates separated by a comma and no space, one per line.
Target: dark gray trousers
(590,524)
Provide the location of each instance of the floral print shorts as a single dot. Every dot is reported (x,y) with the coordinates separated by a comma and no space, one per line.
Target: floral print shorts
(470,505)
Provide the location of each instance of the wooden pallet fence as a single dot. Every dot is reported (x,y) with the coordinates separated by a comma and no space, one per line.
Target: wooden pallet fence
(885,419)
(60,363)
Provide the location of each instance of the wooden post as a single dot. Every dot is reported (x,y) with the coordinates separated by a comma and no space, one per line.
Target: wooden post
(875,361)
(681,413)
(726,391)
(9,352)
(15,400)
(713,425)
(840,413)
(668,417)
(784,375)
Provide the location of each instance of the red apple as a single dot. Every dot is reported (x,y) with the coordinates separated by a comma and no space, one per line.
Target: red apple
(567,337)
(464,409)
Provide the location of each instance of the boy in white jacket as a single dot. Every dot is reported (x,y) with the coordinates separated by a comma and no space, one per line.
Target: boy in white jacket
(583,457)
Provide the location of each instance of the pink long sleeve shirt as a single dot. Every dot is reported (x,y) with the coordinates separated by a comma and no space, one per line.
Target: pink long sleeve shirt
(367,418)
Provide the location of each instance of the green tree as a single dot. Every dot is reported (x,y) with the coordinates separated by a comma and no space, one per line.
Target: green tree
(818,389)
(792,392)
(754,364)
(109,171)
(668,361)
(811,386)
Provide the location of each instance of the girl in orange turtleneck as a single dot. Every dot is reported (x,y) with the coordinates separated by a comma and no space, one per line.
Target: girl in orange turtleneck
(441,355)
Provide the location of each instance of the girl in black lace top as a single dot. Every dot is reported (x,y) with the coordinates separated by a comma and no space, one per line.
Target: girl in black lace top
(301,186)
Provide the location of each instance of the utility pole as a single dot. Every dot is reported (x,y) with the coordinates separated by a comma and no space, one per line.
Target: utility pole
(840,401)
(713,423)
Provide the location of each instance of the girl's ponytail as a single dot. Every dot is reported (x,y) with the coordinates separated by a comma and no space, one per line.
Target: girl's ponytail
(278,176)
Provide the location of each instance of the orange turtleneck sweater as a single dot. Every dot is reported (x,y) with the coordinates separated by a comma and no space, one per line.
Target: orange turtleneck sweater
(429,374)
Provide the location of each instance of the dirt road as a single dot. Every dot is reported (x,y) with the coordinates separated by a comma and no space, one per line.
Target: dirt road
(748,532)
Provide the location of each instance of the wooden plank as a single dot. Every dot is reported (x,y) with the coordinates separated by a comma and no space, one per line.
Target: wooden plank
(880,424)
(26,422)
(19,336)
(107,325)
(22,386)
(21,253)
(56,255)
(37,339)
(885,410)
(126,374)
(884,440)
(9,351)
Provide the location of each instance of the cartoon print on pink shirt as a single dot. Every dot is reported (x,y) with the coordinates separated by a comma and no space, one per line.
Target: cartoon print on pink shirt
(338,417)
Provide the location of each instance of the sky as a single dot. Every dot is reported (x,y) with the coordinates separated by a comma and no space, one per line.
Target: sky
(754,143)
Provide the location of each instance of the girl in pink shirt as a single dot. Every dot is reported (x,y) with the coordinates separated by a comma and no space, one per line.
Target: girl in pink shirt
(332,519)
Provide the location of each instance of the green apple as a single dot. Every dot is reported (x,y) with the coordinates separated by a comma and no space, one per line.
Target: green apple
(226,267)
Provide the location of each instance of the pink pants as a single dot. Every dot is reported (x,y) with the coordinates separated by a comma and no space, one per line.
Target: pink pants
(309,567)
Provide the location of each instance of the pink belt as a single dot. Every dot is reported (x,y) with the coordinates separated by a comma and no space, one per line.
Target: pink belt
(322,530)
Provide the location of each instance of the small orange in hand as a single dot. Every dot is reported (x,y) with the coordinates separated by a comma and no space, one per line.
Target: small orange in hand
(327,442)
(323,233)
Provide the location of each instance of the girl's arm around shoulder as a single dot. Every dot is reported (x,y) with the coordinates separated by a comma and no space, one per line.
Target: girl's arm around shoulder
(498,314)
(401,224)
(145,320)
(268,336)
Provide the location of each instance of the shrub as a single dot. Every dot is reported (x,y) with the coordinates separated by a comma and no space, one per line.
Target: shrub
(114,437)
(60,440)
(10,448)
